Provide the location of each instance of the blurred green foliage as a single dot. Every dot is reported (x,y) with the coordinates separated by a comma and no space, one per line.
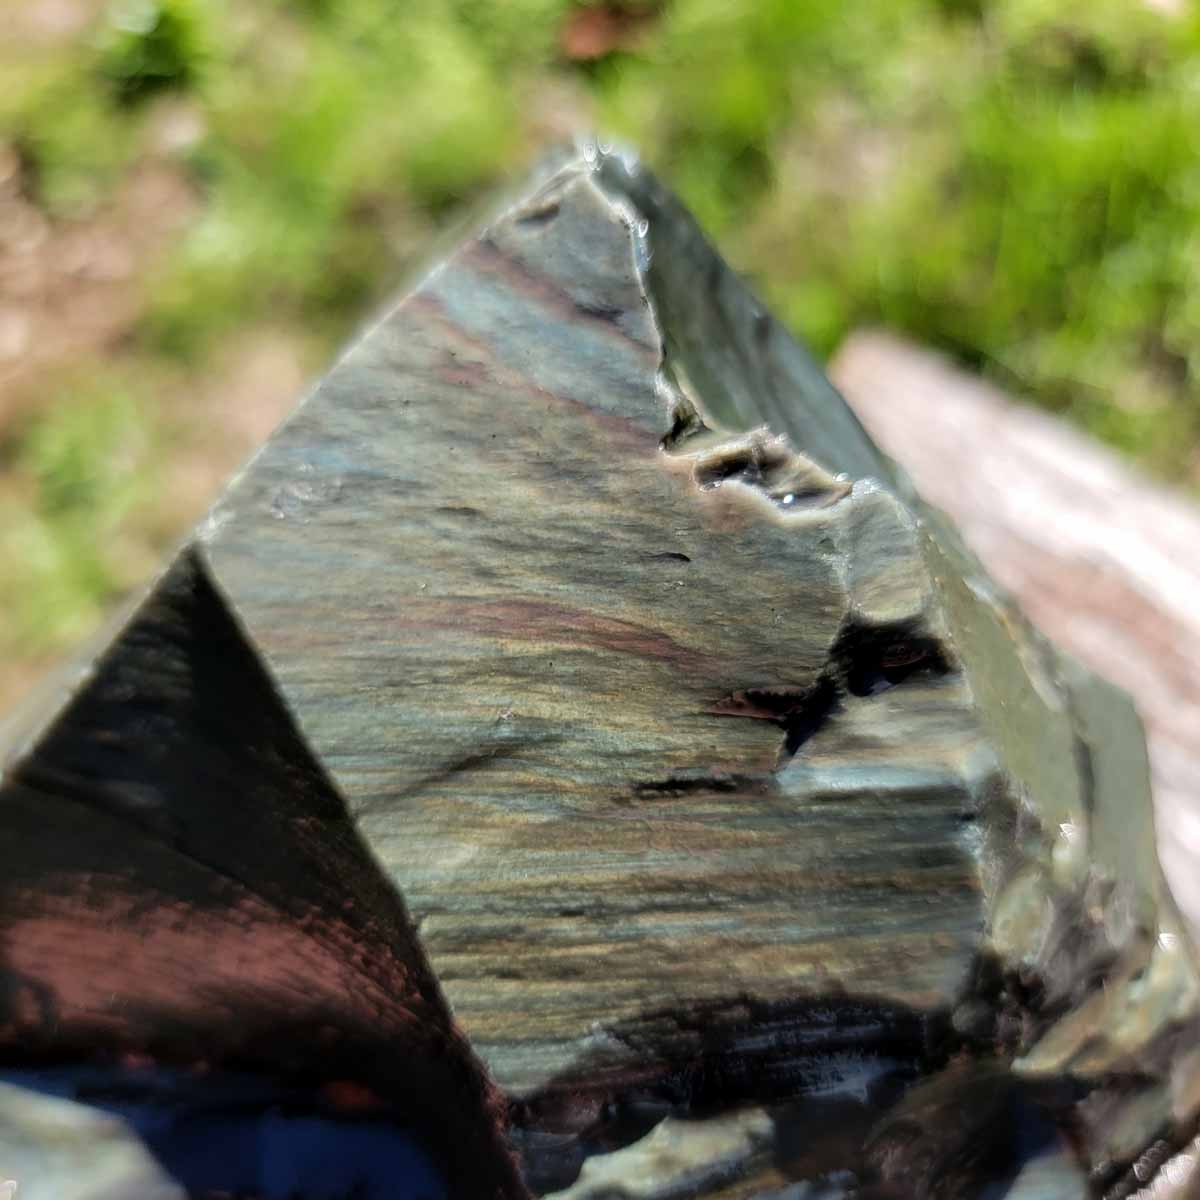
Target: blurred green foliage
(87,461)
(147,46)
(1014,181)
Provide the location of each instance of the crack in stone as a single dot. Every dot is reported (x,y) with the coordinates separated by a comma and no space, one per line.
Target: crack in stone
(876,657)
(799,712)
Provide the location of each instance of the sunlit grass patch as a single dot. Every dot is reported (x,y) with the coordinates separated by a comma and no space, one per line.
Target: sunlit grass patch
(73,473)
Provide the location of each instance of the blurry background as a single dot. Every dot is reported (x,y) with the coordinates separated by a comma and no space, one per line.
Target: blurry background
(200,198)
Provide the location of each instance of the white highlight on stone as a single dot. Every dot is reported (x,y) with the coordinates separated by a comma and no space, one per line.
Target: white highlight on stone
(695,1153)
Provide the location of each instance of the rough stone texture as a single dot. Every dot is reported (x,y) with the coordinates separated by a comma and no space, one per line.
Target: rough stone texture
(1102,559)
(695,1155)
(711,768)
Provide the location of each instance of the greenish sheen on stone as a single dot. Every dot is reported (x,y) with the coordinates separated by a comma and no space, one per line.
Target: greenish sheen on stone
(676,760)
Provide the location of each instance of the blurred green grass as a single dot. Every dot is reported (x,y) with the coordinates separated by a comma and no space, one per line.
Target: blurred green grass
(1014,181)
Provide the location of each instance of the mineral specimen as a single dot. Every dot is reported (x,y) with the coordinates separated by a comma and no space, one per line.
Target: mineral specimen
(569,729)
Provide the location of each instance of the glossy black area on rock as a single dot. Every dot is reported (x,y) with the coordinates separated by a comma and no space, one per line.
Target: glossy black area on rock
(182,885)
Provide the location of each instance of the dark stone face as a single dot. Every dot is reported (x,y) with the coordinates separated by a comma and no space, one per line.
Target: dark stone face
(183,886)
(571,743)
